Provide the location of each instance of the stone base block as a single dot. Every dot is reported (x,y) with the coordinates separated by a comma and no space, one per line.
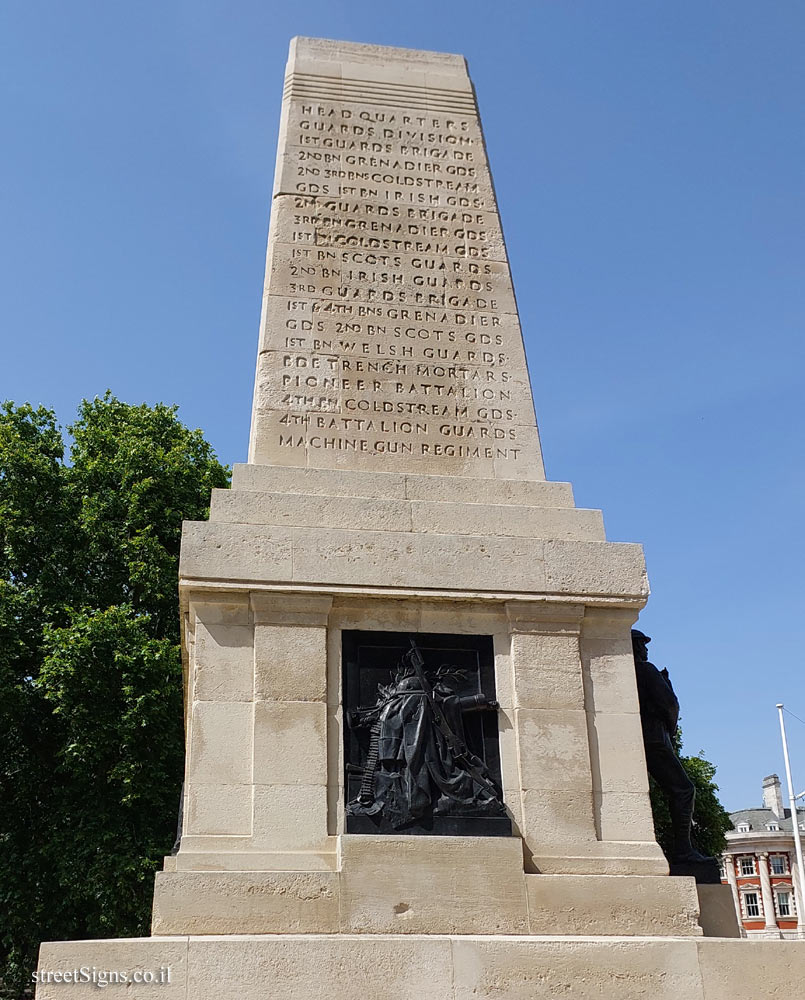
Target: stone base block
(416,967)
(612,905)
(717,915)
(433,885)
(601,857)
(246,903)
(416,885)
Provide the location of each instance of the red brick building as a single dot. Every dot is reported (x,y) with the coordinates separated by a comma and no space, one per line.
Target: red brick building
(760,866)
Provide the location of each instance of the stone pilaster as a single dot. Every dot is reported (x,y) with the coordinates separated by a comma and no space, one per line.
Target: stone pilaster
(220,718)
(257,770)
(582,769)
(729,864)
(550,725)
(290,722)
(620,781)
(795,894)
(769,911)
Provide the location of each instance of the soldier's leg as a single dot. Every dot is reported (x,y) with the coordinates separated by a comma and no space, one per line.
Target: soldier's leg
(666,769)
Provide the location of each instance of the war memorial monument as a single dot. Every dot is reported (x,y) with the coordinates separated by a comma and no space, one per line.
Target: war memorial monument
(415,767)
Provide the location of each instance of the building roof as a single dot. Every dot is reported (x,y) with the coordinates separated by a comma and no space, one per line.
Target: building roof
(758,818)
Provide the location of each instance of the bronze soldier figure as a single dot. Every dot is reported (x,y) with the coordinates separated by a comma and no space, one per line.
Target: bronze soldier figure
(659,715)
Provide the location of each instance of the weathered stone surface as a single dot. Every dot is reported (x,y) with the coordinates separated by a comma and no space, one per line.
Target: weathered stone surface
(219,608)
(290,663)
(290,817)
(252,902)
(616,740)
(395,486)
(740,968)
(218,810)
(229,856)
(318,482)
(224,663)
(461,617)
(499,519)
(595,568)
(290,743)
(433,885)
(235,551)
(547,671)
(424,967)
(584,969)
(382,615)
(303,510)
(624,815)
(562,818)
(554,752)
(293,967)
(220,743)
(646,906)
(599,858)
(241,552)
(276,607)
(246,902)
(420,561)
(164,957)
(609,673)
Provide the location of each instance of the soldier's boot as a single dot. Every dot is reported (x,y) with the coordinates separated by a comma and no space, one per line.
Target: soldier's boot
(683,851)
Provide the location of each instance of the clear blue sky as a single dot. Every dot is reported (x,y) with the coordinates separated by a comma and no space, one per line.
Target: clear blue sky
(649,159)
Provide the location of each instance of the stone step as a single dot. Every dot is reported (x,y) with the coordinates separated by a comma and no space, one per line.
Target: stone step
(390,486)
(382,514)
(299,966)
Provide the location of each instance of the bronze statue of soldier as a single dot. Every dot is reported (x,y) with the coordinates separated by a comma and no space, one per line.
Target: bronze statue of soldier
(659,715)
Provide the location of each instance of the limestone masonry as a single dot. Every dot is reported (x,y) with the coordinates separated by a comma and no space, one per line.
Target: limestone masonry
(395,488)
(389,338)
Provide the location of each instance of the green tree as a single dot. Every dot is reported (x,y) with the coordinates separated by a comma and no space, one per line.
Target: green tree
(711,821)
(91,743)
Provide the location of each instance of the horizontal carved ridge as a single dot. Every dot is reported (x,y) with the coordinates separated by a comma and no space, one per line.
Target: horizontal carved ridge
(328,88)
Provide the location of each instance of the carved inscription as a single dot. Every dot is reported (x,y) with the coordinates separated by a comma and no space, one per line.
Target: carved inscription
(390,326)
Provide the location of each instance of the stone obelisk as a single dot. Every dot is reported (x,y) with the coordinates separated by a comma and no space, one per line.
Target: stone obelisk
(391,556)
(389,339)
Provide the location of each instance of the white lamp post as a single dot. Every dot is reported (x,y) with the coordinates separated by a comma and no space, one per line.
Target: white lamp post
(794,821)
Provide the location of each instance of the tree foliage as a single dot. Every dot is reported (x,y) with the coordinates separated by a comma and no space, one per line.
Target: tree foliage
(91,743)
(711,821)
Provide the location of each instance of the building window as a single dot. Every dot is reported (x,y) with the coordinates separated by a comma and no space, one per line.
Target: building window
(743,828)
(722,867)
(751,904)
(784,904)
(748,866)
(778,864)
(773,827)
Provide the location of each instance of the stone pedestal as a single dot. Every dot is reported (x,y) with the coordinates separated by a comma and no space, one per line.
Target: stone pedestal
(264,781)
(395,484)
(429,967)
